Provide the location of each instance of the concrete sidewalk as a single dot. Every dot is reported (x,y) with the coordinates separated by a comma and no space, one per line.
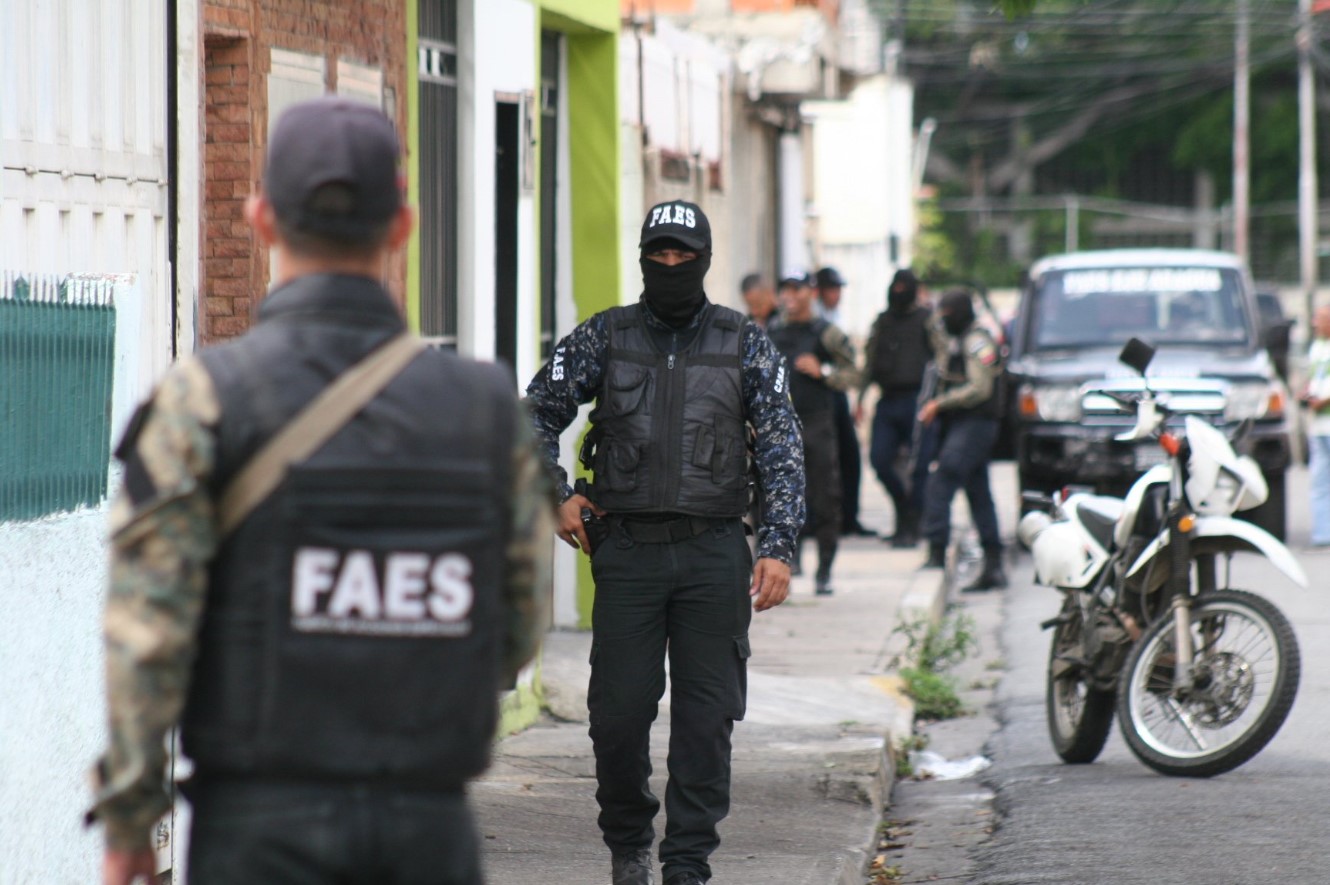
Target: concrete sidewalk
(813,759)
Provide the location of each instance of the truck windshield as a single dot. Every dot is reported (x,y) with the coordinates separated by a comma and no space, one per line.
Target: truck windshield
(1097,307)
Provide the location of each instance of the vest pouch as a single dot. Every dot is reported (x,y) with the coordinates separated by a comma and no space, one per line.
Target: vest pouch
(617,463)
(721,448)
(390,610)
(626,392)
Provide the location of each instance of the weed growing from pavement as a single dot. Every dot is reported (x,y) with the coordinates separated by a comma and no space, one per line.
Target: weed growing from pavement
(931,650)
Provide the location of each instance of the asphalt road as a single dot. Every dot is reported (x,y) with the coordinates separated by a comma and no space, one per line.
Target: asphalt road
(1030,819)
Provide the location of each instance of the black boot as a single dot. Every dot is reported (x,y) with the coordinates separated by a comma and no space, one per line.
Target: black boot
(937,556)
(907,530)
(633,868)
(826,554)
(992,577)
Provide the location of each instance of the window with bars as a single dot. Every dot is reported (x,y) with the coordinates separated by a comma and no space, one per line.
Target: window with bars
(437,68)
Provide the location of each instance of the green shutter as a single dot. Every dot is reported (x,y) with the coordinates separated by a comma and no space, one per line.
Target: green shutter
(57,351)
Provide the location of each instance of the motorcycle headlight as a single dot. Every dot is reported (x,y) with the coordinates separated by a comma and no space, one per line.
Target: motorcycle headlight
(1251,401)
(1058,402)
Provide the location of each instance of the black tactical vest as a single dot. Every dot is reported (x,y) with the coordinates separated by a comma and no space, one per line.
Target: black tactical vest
(903,351)
(668,429)
(352,629)
(810,395)
(955,375)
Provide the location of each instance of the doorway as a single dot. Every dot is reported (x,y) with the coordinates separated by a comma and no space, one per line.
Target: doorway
(507,186)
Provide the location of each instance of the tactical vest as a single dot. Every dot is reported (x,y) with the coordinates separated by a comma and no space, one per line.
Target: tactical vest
(353,624)
(810,395)
(902,352)
(668,428)
(955,376)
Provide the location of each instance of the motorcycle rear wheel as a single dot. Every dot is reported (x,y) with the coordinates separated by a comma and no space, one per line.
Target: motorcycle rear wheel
(1080,716)
(1247,669)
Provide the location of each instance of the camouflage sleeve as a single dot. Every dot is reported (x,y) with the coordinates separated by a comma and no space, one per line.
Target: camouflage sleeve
(844,374)
(571,378)
(980,361)
(162,537)
(779,447)
(529,566)
(870,357)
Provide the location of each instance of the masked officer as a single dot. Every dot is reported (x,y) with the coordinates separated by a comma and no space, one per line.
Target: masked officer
(896,357)
(966,405)
(822,362)
(678,382)
(335,659)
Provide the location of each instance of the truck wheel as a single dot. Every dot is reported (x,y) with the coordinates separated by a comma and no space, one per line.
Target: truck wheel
(1273,514)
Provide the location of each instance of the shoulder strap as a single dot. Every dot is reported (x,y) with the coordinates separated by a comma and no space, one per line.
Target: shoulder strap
(312,427)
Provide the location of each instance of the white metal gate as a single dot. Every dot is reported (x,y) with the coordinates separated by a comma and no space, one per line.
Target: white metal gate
(83,148)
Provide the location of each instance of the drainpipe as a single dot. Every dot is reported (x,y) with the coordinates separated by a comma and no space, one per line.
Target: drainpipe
(793,244)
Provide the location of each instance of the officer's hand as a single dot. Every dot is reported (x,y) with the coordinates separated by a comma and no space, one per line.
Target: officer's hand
(570,522)
(123,867)
(928,412)
(809,364)
(771,583)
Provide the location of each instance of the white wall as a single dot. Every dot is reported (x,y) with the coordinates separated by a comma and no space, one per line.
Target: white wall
(497,53)
(52,580)
(857,216)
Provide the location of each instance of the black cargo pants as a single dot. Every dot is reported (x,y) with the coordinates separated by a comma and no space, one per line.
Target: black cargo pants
(688,598)
(298,833)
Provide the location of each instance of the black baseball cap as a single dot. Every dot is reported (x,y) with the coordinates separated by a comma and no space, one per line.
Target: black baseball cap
(829,277)
(331,140)
(677,220)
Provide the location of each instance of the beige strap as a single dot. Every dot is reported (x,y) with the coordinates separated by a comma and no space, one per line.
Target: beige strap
(312,427)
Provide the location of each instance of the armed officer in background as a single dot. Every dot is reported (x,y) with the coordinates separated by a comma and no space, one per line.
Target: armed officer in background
(898,352)
(678,382)
(338,655)
(822,362)
(966,405)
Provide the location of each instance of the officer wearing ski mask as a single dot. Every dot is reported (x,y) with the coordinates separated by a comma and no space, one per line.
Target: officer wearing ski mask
(897,354)
(966,406)
(678,384)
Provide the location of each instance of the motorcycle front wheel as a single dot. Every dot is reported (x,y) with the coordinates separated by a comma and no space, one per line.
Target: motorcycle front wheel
(1080,716)
(1244,677)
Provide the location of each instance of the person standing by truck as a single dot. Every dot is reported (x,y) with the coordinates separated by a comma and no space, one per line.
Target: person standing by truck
(966,405)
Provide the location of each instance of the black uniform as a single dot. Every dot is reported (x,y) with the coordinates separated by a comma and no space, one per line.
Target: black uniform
(815,402)
(895,359)
(668,447)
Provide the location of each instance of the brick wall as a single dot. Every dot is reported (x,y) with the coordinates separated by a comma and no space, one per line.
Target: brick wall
(238,38)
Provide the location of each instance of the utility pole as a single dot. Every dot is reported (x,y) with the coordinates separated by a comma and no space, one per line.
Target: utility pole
(1241,116)
(1308,234)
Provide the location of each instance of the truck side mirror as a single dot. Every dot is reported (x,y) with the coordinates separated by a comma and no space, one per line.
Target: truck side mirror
(1137,354)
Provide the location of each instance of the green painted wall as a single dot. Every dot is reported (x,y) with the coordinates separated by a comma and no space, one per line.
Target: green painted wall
(591,28)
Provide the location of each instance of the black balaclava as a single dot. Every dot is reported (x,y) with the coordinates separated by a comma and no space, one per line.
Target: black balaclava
(674,294)
(957,310)
(903,293)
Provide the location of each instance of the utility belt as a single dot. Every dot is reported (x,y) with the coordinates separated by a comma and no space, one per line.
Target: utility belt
(668,528)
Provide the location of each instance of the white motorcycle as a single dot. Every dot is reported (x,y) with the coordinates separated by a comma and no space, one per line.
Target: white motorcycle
(1201,675)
